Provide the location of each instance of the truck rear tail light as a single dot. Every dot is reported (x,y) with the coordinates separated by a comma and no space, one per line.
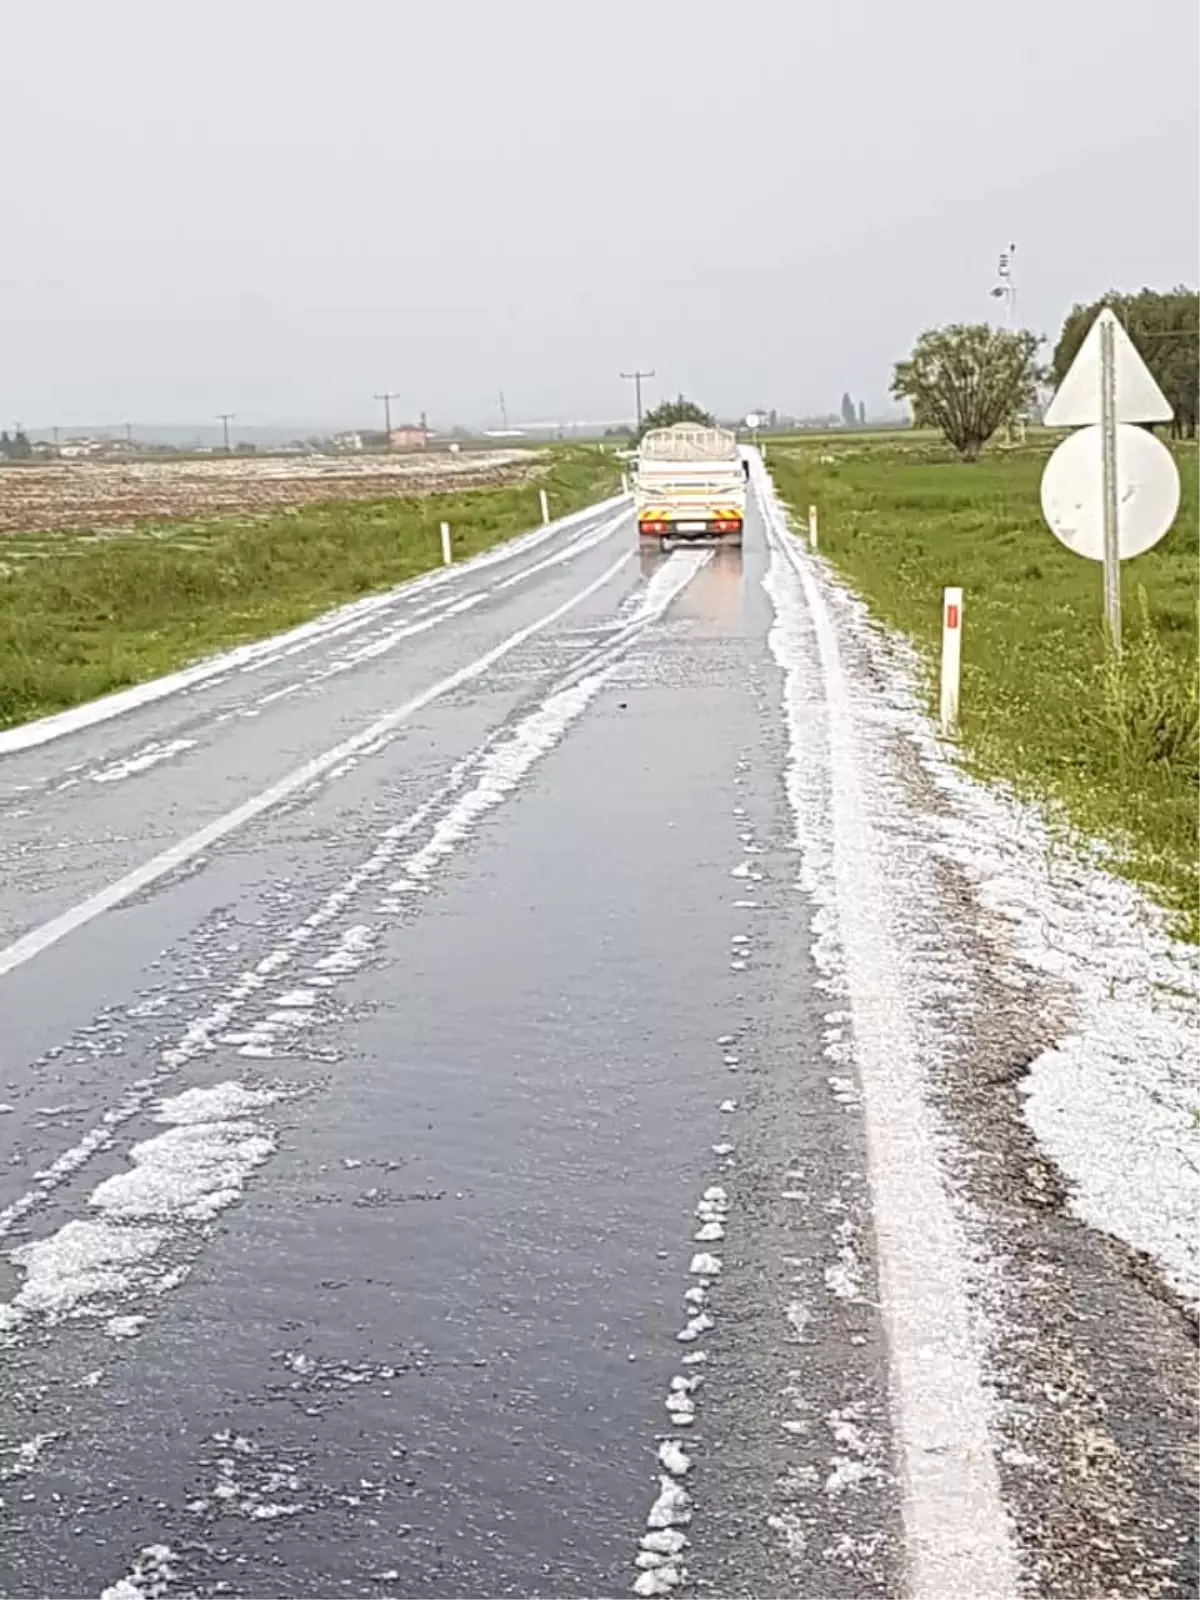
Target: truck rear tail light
(727,525)
(652,527)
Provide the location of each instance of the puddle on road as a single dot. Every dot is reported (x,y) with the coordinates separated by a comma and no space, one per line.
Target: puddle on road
(716,594)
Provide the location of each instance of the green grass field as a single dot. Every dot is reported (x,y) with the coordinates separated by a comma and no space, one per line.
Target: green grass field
(1043,705)
(81,616)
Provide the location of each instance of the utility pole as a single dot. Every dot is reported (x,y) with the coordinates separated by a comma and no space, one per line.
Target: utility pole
(129,435)
(387,397)
(1006,289)
(503,413)
(636,379)
(225,418)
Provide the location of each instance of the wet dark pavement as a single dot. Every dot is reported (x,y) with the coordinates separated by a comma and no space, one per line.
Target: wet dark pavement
(409,1319)
(78,811)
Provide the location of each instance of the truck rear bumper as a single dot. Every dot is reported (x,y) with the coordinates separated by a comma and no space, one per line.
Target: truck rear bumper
(690,528)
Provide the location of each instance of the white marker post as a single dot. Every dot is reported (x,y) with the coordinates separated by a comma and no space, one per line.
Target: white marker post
(952,624)
(812,527)
(545,505)
(624,483)
(447,553)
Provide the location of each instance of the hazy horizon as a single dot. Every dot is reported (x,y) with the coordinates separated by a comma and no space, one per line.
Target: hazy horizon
(280,210)
(212,428)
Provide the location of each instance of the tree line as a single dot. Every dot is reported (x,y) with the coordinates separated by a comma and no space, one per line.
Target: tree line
(1166,330)
(969,379)
(853,416)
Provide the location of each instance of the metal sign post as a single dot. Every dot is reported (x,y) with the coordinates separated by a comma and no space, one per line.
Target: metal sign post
(1111,490)
(1110,512)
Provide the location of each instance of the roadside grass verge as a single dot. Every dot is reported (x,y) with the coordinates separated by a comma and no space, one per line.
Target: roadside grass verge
(82,615)
(1113,748)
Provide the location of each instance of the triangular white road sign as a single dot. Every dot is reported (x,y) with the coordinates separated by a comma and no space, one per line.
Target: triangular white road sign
(1077,401)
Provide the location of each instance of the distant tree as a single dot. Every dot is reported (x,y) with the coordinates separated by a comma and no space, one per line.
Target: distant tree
(623,431)
(20,448)
(1165,327)
(968,380)
(849,415)
(673,411)
(772,418)
(862,413)
(5,445)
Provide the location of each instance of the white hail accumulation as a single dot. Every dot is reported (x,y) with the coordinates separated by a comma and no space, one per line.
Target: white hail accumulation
(1114,1100)
(660,1552)
(957,1531)
(189,1173)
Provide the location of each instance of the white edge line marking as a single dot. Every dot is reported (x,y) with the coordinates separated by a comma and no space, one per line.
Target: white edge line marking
(958,1532)
(40,939)
(44,729)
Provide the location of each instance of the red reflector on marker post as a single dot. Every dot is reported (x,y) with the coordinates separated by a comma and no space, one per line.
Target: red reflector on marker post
(952,609)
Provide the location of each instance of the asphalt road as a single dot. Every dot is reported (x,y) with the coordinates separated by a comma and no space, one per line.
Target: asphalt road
(435,1166)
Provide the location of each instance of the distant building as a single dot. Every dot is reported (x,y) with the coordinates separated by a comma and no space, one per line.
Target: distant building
(410,436)
(348,440)
(76,449)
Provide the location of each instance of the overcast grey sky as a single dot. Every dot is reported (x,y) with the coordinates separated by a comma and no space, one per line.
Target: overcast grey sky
(277,207)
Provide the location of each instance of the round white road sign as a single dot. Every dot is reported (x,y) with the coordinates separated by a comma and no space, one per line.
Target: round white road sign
(1147,492)
(754,420)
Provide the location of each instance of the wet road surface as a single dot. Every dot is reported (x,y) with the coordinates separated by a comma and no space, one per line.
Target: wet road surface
(434,1164)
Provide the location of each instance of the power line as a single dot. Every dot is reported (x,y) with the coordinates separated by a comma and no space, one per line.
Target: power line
(636,379)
